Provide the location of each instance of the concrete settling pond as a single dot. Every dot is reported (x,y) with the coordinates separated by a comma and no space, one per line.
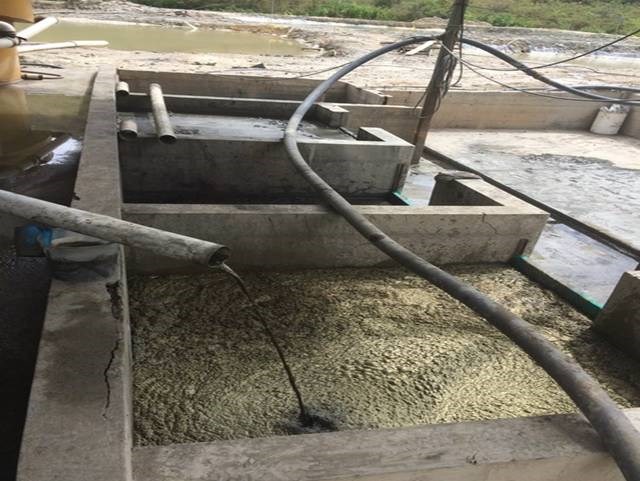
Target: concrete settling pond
(372,348)
(171,39)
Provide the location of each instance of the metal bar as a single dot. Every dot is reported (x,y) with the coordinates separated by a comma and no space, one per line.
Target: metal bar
(160,242)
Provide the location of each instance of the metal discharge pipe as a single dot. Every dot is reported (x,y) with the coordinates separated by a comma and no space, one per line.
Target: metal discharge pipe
(164,130)
(163,243)
(615,430)
(128,129)
(122,89)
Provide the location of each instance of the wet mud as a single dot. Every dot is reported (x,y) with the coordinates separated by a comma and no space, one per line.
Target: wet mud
(370,348)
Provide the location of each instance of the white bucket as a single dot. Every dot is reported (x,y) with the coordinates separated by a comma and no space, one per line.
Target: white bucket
(610,119)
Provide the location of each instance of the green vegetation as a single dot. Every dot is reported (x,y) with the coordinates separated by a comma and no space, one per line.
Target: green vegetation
(610,16)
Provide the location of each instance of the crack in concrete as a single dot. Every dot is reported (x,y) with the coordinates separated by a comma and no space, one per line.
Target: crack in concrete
(107,402)
(485,221)
(116,310)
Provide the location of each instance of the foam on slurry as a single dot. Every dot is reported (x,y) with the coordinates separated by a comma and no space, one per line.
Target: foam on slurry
(370,348)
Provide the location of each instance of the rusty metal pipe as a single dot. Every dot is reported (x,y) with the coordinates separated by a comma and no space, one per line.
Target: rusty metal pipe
(128,129)
(164,130)
(110,229)
(122,89)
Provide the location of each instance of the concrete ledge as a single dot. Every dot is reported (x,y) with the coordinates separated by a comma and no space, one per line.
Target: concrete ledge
(480,224)
(78,425)
(310,236)
(550,448)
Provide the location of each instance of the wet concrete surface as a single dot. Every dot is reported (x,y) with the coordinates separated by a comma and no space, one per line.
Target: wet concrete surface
(590,177)
(371,348)
(595,179)
(589,267)
(235,128)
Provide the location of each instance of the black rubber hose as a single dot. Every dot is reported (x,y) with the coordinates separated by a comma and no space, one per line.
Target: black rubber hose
(615,430)
(621,88)
(538,76)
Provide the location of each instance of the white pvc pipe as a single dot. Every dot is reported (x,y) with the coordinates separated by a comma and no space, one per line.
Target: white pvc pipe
(37,28)
(57,45)
(9,42)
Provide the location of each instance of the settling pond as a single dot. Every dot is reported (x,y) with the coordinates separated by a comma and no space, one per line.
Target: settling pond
(171,39)
(371,348)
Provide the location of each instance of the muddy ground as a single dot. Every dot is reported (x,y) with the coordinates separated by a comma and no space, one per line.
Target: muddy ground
(372,348)
(331,42)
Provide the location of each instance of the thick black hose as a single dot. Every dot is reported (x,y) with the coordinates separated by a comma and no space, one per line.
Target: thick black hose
(616,431)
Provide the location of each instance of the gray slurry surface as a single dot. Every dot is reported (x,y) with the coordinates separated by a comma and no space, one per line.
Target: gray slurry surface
(373,348)
(234,128)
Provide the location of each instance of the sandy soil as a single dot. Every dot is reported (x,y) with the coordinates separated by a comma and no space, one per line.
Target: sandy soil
(334,43)
(373,348)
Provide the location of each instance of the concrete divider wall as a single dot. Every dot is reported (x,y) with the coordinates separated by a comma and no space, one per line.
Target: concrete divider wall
(548,448)
(632,125)
(619,320)
(246,86)
(491,226)
(201,170)
(504,110)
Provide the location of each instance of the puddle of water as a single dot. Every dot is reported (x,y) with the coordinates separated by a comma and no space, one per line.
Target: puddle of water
(167,39)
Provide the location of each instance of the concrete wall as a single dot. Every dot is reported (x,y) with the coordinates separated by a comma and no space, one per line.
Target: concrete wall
(78,424)
(619,320)
(211,170)
(247,86)
(632,126)
(311,236)
(550,448)
(398,120)
(460,109)
(504,110)
(229,85)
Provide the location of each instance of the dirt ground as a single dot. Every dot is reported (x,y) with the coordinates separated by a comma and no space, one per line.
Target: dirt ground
(332,42)
(371,348)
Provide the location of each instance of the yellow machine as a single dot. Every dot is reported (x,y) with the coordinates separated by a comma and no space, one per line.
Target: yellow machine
(16,11)
(13,11)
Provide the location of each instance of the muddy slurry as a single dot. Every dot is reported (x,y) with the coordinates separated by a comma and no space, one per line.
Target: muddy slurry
(369,348)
